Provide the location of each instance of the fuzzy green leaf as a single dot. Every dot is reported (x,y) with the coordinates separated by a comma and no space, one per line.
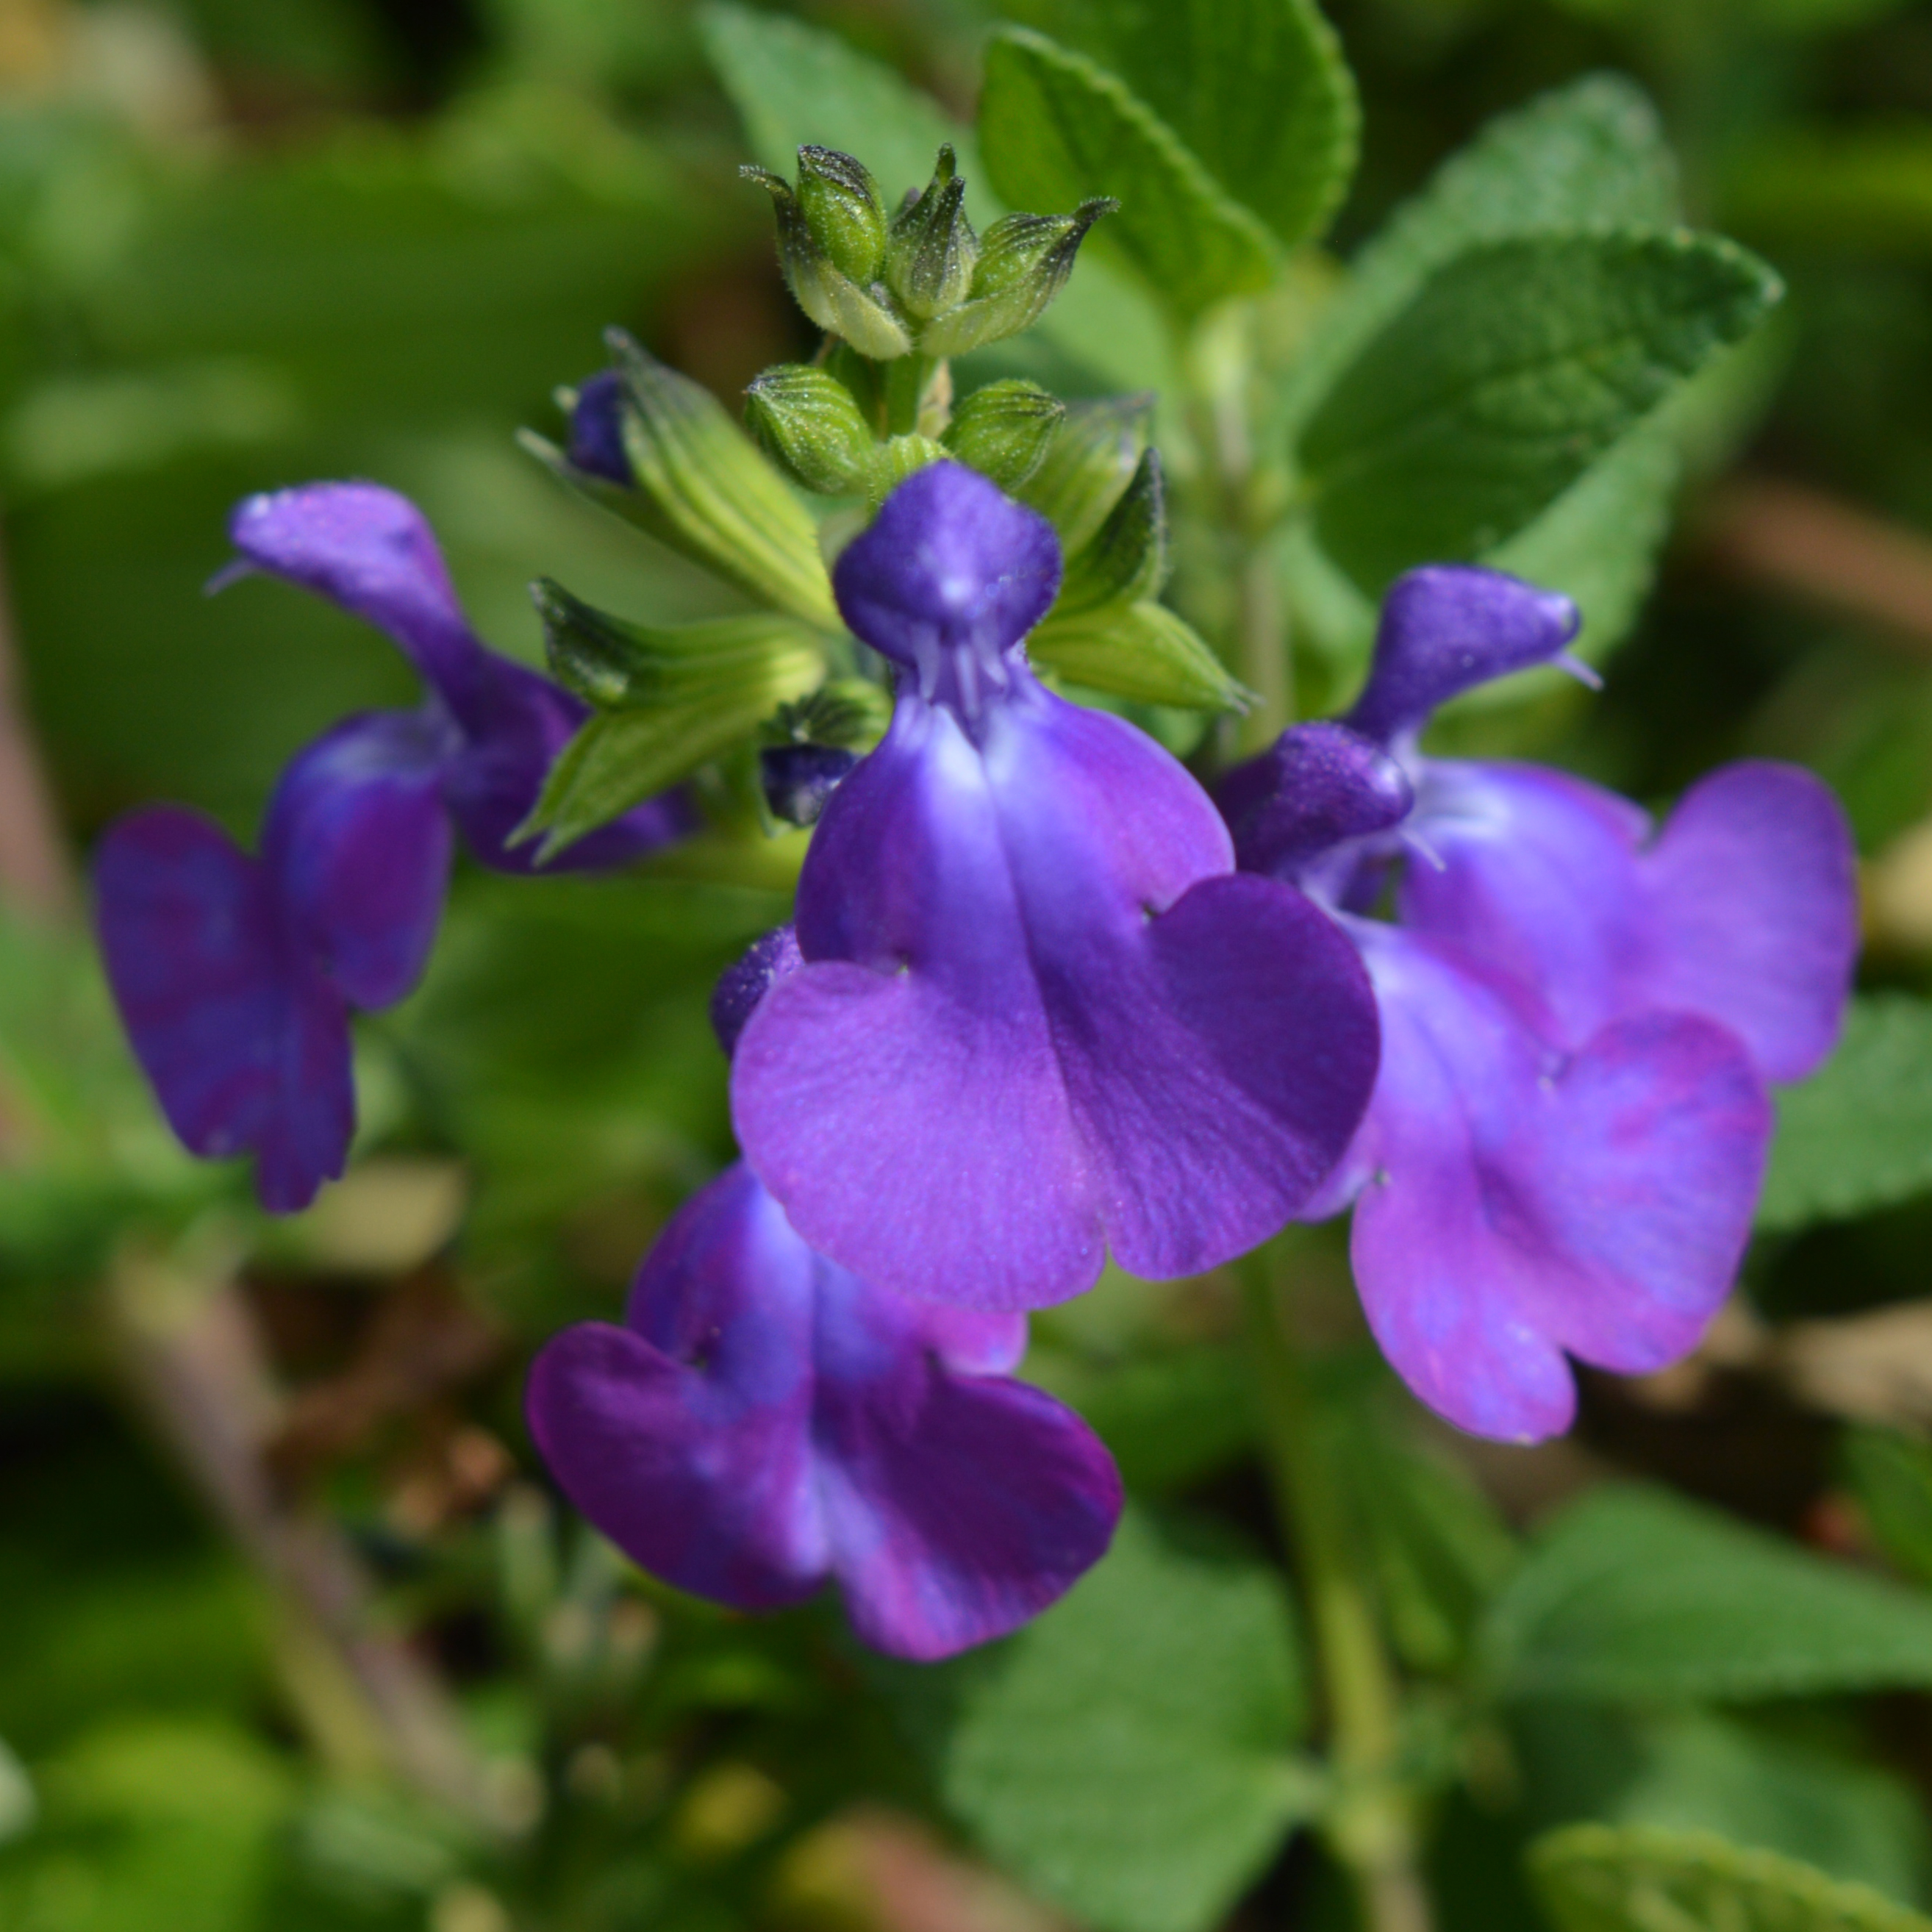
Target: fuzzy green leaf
(1634,1594)
(1057,129)
(1257,90)
(1858,1135)
(1128,1754)
(1139,651)
(1513,369)
(1604,1878)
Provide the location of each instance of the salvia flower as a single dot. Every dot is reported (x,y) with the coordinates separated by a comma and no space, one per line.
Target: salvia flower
(1579,1012)
(1039,1015)
(764,1422)
(234,974)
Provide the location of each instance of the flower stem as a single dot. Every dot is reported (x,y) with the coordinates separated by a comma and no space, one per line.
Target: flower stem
(1370,1827)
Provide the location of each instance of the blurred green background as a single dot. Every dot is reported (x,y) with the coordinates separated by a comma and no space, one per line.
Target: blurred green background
(292,1634)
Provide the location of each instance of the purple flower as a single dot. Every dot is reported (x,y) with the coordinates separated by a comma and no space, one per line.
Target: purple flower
(764,1421)
(1579,1013)
(1039,1015)
(234,975)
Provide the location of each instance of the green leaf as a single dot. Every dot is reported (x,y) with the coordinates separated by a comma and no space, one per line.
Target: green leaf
(1142,651)
(1591,155)
(1757,1780)
(1515,367)
(1126,561)
(1891,1474)
(1258,89)
(703,488)
(1602,1878)
(621,757)
(1634,1594)
(1128,1754)
(1056,129)
(1858,1135)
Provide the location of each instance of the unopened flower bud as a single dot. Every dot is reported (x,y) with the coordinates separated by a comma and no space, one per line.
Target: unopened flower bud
(932,251)
(597,429)
(841,203)
(1024,261)
(861,314)
(798,779)
(1005,430)
(810,422)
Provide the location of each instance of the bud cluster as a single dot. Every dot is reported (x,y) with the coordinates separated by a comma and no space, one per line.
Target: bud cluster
(920,281)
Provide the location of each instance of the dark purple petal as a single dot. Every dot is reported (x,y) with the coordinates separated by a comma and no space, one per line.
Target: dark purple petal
(1449,626)
(685,1436)
(958,1506)
(798,779)
(1744,909)
(1316,786)
(245,1041)
(1518,1205)
(765,1420)
(743,984)
(597,429)
(516,724)
(948,580)
(357,845)
(1040,1017)
(372,552)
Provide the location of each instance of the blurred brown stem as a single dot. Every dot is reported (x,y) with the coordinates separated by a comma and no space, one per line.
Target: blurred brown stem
(36,872)
(1800,539)
(193,1352)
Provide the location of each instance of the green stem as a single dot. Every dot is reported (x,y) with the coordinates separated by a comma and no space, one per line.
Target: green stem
(1370,1827)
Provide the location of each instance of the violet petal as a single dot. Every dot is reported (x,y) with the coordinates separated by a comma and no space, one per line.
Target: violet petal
(357,845)
(745,982)
(1449,626)
(1519,1206)
(1316,786)
(243,1040)
(597,429)
(1038,1017)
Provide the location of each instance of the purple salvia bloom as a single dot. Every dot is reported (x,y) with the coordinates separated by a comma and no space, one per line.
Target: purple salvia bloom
(1568,1130)
(1039,1015)
(235,976)
(744,983)
(370,551)
(764,1422)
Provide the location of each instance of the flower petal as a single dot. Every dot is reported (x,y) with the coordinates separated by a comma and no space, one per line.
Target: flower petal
(685,1436)
(372,552)
(357,843)
(1744,908)
(1448,627)
(1041,1017)
(959,1506)
(243,1040)
(950,569)
(1752,898)
(515,724)
(1520,1207)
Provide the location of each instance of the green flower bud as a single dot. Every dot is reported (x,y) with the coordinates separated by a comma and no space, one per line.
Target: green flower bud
(1090,465)
(931,249)
(824,291)
(809,421)
(1126,561)
(1005,430)
(893,462)
(842,206)
(1024,261)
